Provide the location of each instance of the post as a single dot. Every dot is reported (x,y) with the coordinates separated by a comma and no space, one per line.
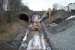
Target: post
(49,15)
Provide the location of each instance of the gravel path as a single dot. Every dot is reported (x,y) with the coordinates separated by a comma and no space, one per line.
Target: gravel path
(63,38)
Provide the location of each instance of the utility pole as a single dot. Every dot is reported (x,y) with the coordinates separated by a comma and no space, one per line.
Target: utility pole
(49,15)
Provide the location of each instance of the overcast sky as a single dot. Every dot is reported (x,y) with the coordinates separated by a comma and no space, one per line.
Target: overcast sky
(38,5)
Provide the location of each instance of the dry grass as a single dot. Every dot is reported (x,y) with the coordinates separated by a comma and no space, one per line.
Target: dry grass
(9,31)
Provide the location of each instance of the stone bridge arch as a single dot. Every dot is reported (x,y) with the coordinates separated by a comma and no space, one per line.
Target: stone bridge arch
(24,16)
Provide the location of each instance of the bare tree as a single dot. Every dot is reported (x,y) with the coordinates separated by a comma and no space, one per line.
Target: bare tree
(55,6)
